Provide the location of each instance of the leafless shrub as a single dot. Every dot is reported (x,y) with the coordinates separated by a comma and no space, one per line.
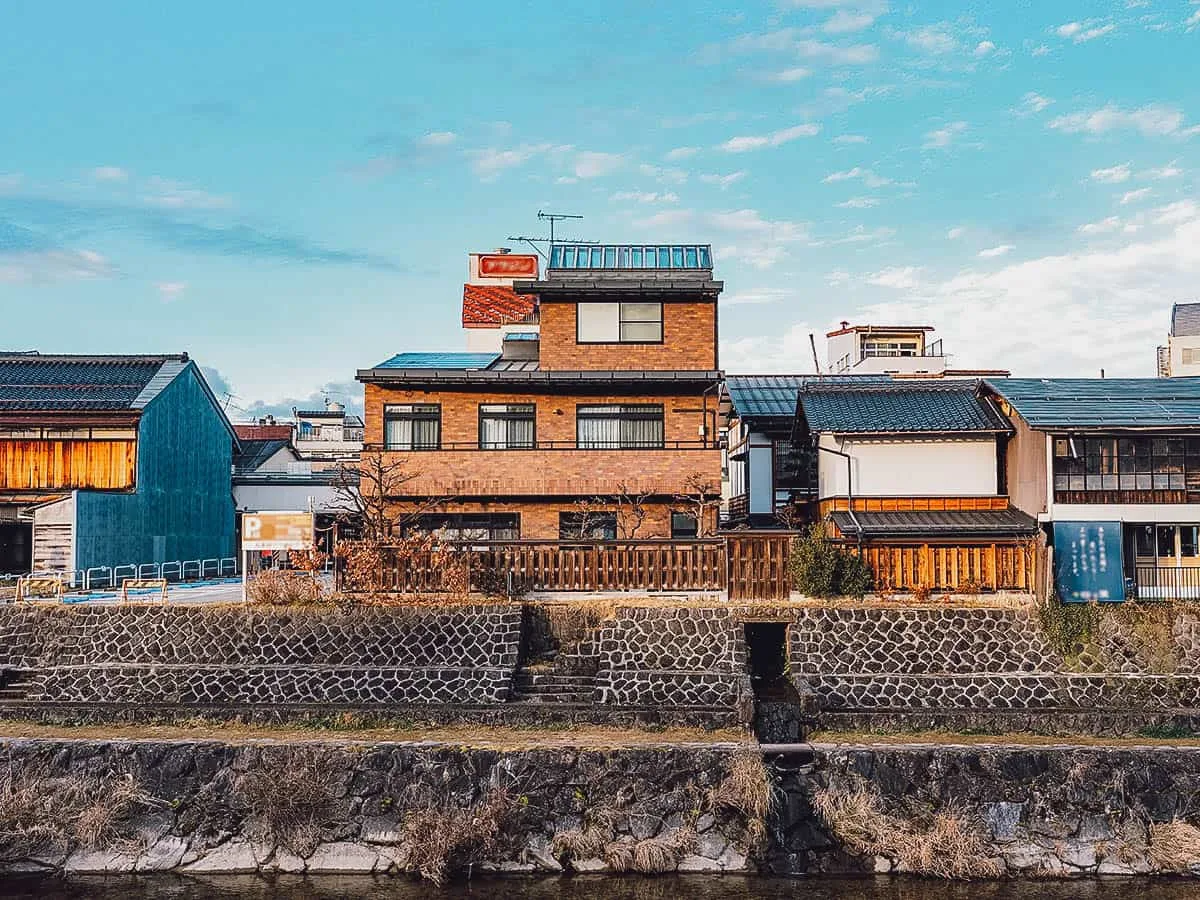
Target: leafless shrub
(1174,846)
(290,797)
(950,846)
(441,842)
(40,811)
(277,587)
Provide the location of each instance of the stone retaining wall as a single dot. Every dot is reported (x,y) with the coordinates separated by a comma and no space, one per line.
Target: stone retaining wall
(230,655)
(1052,811)
(211,806)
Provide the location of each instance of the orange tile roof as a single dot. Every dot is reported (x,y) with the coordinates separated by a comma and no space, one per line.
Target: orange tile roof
(485,305)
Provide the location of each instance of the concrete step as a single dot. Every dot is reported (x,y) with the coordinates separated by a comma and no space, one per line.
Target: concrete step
(578,698)
(536,679)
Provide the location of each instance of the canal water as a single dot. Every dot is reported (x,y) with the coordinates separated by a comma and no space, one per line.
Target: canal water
(328,887)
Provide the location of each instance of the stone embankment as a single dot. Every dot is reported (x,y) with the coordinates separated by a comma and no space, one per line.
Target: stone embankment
(440,811)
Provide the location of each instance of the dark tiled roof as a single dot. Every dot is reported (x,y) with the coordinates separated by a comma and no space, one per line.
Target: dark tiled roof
(1185,319)
(253,453)
(83,383)
(774,396)
(1103,402)
(899,408)
(978,523)
(439,361)
(494,305)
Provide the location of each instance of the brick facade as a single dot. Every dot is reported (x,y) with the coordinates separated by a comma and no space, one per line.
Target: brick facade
(689,342)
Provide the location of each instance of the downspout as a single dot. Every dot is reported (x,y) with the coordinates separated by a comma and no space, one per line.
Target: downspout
(849,488)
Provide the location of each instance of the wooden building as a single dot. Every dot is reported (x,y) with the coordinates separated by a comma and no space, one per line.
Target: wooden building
(595,419)
(911,475)
(111,460)
(1111,468)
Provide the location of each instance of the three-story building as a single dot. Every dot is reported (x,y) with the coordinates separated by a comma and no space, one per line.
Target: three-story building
(598,421)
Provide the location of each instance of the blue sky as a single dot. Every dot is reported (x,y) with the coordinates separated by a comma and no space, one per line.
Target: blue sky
(289,192)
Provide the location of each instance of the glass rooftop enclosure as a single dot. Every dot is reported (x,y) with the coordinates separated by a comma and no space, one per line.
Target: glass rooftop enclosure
(630,256)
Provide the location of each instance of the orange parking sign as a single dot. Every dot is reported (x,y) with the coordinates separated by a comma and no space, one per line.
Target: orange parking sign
(277,531)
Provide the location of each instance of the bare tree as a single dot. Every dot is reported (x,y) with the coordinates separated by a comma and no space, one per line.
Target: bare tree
(631,510)
(699,494)
(365,495)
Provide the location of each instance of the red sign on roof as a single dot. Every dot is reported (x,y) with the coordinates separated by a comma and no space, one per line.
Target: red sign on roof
(508,266)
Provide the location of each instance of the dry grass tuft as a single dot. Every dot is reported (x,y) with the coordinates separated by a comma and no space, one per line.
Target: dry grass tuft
(277,587)
(441,842)
(290,797)
(42,812)
(650,856)
(1174,846)
(748,792)
(951,846)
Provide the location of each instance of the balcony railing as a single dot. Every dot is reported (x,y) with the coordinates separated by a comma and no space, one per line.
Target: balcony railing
(1166,583)
(547,445)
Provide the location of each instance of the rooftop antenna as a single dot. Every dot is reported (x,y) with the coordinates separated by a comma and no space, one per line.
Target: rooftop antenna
(812,342)
(551,218)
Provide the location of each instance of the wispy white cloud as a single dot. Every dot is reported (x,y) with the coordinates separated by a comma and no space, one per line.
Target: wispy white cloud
(646,196)
(937,39)
(1040,50)
(984,48)
(723,181)
(859,203)
(790,75)
(437,139)
(1134,196)
(681,153)
(850,139)
(593,164)
(664,174)
(869,178)
(1104,226)
(899,278)
(1082,32)
(994,252)
(1113,174)
(1170,170)
(846,22)
(110,173)
(46,266)
(1033,103)
(944,137)
(755,297)
(175,195)
(955,233)
(1152,120)
(745,143)
(170,290)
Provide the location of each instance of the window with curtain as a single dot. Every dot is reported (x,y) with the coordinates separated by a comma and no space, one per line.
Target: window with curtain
(684,525)
(468,526)
(619,427)
(416,426)
(506,426)
(619,323)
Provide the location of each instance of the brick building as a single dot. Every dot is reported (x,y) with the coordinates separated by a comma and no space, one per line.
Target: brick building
(595,419)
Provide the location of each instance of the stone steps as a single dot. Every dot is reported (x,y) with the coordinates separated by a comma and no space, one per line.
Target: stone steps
(552,687)
(15,686)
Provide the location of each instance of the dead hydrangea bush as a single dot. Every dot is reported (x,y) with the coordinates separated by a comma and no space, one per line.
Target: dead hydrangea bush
(949,846)
(45,812)
(1174,846)
(747,792)
(290,796)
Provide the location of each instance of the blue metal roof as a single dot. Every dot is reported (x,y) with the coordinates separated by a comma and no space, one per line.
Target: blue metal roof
(899,408)
(439,361)
(774,396)
(630,256)
(1102,402)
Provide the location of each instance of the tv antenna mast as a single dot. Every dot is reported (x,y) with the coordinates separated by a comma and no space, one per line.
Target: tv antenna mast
(551,218)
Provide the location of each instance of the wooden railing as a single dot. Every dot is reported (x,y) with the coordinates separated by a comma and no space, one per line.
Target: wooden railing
(758,566)
(520,566)
(958,567)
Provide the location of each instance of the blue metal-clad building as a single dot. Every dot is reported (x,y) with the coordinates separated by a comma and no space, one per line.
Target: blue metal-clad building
(115,460)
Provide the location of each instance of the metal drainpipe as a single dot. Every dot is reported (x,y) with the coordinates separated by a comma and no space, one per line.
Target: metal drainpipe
(849,488)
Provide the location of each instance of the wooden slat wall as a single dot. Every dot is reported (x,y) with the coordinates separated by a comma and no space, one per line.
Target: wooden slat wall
(548,566)
(758,567)
(912,504)
(1000,566)
(57,465)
